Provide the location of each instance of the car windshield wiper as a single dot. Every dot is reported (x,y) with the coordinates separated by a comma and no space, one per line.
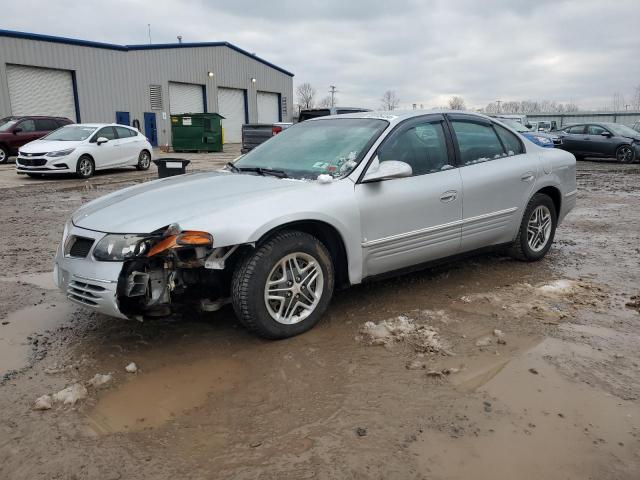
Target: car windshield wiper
(232,167)
(261,171)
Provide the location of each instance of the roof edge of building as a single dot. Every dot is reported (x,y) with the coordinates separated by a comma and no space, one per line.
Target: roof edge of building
(128,48)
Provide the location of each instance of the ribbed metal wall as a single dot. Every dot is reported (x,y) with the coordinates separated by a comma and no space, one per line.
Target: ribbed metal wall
(111,80)
(626,117)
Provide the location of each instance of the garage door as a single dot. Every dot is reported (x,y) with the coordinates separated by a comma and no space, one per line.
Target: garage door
(41,91)
(231,107)
(268,111)
(185,98)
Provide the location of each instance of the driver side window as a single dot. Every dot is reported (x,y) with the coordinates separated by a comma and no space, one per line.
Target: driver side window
(106,132)
(595,130)
(422,145)
(27,126)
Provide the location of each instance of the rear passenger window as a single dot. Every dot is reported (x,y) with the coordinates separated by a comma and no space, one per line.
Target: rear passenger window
(510,141)
(124,132)
(477,142)
(577,129)
(423,146)
(45,125)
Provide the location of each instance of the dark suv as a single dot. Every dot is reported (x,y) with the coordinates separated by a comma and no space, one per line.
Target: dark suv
(16,131)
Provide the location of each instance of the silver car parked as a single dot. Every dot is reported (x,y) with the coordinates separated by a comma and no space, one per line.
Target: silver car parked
(328,203)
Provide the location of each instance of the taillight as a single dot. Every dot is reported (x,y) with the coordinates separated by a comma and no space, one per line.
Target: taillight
(275,130)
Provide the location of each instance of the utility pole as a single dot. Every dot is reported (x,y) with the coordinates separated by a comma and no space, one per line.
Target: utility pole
(149,32)
(333,91)
(498,102)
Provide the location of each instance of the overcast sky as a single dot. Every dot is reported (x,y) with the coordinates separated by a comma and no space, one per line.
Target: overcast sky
(582,51)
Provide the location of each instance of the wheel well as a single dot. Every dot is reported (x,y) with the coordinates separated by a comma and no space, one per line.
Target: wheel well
(331,239)
(555,195)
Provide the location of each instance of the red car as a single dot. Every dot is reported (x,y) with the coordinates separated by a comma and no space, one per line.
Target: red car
(16,131)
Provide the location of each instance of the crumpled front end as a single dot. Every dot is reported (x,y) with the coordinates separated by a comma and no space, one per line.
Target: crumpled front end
(160,272)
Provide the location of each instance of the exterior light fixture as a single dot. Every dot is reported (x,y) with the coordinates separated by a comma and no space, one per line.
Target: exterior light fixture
(253,79)
(210,74)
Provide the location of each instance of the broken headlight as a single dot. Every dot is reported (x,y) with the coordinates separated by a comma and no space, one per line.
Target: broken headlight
(117,248)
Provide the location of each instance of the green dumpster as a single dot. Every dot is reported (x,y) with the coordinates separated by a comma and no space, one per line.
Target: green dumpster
(195,132)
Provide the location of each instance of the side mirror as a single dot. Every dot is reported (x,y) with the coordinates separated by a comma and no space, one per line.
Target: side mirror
(606,134)
(387,170)
(17,130)
(101,140)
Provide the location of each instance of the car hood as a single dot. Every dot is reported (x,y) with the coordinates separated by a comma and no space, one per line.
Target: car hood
(181,199)
(42,146)
(541,134)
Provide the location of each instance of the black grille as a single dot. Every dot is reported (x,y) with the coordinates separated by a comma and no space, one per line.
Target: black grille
(80,247)
(32,162)
(557,141)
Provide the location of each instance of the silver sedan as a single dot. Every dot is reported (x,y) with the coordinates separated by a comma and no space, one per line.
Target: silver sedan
(328,203)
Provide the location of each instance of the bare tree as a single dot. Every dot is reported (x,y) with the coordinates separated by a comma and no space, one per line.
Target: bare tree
(306,95)
(390,100)
(325,102)
(457,103)
(636,98)
(617,102)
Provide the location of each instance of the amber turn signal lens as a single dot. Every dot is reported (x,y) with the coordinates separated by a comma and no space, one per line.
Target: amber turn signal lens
(194,238)
(162,245)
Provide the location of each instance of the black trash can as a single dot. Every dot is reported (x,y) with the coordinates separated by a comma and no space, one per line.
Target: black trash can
(168,167)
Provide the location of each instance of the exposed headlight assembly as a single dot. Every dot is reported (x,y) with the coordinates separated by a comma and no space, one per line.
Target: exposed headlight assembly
(60,153)
(117,248)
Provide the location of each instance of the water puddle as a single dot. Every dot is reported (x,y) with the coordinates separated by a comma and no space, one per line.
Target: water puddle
(150,398)
(42,280)
(15,346)
(538,425)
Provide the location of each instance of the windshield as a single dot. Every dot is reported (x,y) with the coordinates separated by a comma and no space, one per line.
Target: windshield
(306,150)
(6,123)
(621,130)
(517,126)
(71,133)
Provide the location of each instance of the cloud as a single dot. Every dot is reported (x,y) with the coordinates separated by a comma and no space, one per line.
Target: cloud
(581,51)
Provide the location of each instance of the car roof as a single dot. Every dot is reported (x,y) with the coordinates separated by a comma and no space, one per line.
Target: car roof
(397,116)
(99,125)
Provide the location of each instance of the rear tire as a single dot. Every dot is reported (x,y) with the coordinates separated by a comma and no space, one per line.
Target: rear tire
(537,229)
(85,167)
(284,286)
(4,154)
(144,160)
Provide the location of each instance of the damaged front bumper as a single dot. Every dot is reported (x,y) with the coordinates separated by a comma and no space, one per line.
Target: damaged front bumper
(84,280)
(146,285)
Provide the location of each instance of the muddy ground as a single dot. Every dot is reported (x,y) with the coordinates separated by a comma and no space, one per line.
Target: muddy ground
(553,394)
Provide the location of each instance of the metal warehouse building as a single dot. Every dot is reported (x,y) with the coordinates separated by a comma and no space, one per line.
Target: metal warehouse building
(140,85)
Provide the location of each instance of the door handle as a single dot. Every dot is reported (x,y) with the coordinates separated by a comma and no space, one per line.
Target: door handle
(527,176)
(449,196)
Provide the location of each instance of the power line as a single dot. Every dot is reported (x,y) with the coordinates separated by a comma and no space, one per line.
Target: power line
(333,91)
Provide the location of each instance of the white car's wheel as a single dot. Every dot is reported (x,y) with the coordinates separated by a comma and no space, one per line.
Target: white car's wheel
(144,160)
(85,167)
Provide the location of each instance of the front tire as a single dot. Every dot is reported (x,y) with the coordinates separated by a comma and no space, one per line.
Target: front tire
(625,154)
(85,167)
(144,160)
(284,286)
(537,229)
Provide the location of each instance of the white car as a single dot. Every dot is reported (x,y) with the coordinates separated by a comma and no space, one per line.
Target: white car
(84,148)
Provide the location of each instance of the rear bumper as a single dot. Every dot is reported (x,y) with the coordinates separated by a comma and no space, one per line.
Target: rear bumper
(85,281)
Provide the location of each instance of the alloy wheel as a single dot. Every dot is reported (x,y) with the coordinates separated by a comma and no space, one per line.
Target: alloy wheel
(624,154)
(3,156)
(85,167)
(539,228)
(293,288)
(144,160)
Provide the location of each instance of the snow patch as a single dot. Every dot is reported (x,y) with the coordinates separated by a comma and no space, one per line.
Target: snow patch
(401,329)
(71,394)
(99,380)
